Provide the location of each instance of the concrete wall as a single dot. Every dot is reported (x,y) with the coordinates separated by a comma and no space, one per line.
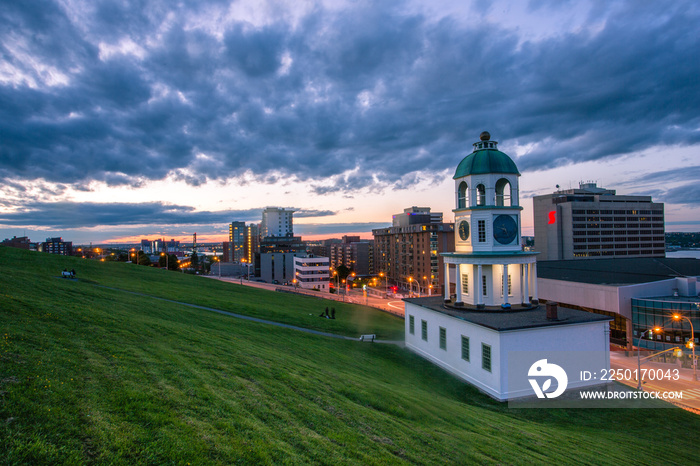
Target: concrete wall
(278,266)
(611,298)
(601,297)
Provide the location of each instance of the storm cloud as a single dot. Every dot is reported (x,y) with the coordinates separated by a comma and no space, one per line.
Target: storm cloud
(123,92)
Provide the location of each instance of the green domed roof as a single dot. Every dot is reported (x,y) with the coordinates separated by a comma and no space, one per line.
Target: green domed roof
(484,160)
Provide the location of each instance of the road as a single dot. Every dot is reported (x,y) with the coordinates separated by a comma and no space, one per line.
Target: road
(393,305)
(685,383)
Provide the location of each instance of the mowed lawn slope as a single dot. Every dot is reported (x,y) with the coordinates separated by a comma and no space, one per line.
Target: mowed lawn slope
(96,375)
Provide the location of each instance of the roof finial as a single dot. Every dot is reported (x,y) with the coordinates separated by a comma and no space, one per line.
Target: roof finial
(485,136)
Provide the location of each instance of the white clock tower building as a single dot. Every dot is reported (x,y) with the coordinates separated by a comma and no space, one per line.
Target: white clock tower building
(492,332)
(491,269)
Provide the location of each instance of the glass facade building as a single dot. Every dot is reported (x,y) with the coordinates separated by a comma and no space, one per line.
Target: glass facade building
(650,313)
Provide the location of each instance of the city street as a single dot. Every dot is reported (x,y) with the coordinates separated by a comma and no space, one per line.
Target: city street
(392,305)
(686,384)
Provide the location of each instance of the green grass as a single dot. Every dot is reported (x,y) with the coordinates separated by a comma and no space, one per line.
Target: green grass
(351,320)
(96,375)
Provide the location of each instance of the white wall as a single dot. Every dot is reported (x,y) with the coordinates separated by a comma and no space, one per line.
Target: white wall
(589,339)
(451,358)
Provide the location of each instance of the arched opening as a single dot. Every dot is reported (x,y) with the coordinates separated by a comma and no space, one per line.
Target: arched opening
(503,192)
(462,195)
(481,195)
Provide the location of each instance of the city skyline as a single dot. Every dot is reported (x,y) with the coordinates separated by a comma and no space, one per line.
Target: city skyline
(122,122)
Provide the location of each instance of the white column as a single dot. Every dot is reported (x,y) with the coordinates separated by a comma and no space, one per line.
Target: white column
(458,284)
(526,290)
(505,284)
(479,286)
(521,270)
(447,281)
(534,282)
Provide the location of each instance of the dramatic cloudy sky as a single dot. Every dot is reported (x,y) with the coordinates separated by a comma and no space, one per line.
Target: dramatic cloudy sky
(133,118)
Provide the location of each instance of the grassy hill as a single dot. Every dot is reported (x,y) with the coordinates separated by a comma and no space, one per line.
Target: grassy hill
(90,374)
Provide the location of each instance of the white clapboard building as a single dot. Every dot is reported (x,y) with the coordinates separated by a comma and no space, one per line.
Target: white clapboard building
(489,325)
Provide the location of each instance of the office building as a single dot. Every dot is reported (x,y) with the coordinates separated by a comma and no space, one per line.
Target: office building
(408,253)
(312,272)
(629,290)
(416,216)
(596,223)
(21,242)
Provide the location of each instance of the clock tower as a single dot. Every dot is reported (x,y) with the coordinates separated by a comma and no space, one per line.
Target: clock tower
(491,267)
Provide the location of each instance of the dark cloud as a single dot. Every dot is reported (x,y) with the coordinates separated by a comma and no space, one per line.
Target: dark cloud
(688,194)
(304,213)
(88,215)
(336,228)
(368,95)
(676,174)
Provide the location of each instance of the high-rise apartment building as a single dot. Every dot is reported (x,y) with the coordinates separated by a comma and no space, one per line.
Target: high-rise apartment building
(252,243)
(276,222)
(409,255)
(596,223)
(56,246)
(237,240)
(353,253)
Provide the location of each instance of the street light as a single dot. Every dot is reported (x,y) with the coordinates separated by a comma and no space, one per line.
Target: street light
(410,287)
(691,342)
(639,361)
(386,283)
(166,259)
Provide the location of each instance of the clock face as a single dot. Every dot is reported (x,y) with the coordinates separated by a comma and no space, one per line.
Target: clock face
(464,230)
(505,229)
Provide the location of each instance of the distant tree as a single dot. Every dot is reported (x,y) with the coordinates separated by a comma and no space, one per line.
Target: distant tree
(343,272)
(173,264)
(163,261)
(143,259)
(194,261)
(123,257)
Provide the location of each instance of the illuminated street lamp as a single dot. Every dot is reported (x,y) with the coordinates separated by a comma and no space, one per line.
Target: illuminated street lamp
(639,361)
(166,259)
(386,283)
(245,261)
(410,286)
(691,342)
